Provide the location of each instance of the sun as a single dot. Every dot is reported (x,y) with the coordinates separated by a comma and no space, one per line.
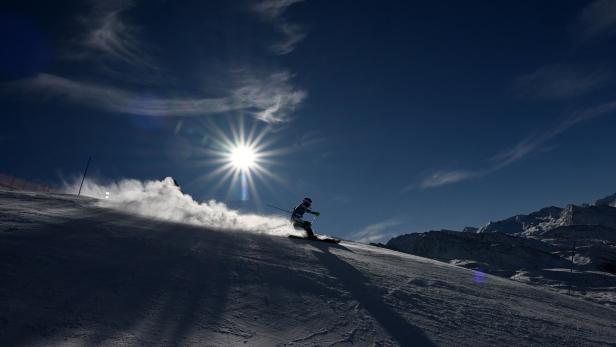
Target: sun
(243,157)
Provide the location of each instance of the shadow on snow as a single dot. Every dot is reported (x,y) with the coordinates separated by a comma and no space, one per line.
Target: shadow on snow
(370,299)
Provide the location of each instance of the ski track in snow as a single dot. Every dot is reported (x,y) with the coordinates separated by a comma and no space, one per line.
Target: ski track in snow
(74,273)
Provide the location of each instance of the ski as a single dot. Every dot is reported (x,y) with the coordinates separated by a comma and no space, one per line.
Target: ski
(317,238)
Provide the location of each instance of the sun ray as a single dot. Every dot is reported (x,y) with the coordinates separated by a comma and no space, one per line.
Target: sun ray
(251,135)
(227,175)
(241,154)
(235,183)
(253,189)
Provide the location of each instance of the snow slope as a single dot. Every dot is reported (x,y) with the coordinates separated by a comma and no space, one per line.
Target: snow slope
(536,248)
(544,260)
(74,273)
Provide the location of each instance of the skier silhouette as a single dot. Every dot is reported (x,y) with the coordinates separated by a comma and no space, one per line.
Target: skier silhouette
(298,214)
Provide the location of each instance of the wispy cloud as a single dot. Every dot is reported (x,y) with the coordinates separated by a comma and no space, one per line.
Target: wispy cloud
(560,81)
(598,18)
(377,232)
(268,94)
(309,139)
(107,33)
(292,34)
(274,8)
(443,177)
(341,198)
(521,150)
(270,99)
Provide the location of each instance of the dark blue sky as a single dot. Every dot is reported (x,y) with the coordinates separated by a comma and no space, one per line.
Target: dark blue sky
(393,116)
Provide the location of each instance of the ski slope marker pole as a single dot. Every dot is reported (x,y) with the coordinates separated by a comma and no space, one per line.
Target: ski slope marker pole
(84,176)
(572,264)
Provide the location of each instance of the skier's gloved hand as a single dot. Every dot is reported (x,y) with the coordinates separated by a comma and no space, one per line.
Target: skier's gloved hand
(316,213)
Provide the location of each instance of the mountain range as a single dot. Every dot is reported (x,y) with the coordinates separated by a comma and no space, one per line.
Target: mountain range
(569,250)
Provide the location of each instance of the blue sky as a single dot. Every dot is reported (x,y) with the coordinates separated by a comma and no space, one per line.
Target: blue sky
(393,116)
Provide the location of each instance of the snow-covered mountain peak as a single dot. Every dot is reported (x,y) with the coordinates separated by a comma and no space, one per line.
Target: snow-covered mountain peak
(608,201)
(529,247)
(602,213)
(546,218)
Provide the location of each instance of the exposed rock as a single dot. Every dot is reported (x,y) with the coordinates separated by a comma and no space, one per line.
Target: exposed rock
(547,216)
(494,253)
(470,230)
(536,248)
(607,201)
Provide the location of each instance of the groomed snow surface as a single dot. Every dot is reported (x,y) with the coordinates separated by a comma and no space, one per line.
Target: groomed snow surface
(75,273)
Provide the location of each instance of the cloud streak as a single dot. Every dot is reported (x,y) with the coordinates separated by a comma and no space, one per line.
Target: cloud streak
(309,139)
(273,8)
(376,232)
(270,99)
(519,151)
(444,177)
(560,81)
(267,96)
(292,35)
(272,11)
(598,18)
(107,31)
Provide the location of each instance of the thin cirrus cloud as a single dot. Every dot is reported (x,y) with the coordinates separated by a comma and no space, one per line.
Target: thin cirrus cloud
(267,94)
(444,177)
(598,18)
(377,232)
(560,81)
(107,33)
(310,139)
(519,151)
(273,8)
(292,34)
(271,99)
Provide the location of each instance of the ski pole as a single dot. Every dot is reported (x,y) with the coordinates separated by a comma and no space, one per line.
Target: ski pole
(314,220)
(278,208)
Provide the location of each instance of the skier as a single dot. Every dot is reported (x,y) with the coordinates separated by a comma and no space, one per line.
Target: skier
(298,214)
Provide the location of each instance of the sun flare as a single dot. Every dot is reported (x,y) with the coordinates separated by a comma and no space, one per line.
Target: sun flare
(242,157)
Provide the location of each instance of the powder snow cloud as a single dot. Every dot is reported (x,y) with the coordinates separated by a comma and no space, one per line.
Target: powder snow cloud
(164,200)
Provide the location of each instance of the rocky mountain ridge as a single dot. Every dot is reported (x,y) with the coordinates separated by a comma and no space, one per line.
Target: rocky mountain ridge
(537,248)
(601,213)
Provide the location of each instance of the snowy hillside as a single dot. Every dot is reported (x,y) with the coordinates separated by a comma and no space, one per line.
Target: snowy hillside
(81,272)
(535,248)
(495,253)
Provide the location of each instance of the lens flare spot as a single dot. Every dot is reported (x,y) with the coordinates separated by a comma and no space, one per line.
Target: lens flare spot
(479,276)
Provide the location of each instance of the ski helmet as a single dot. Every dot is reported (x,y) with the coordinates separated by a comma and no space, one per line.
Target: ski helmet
(307,201)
